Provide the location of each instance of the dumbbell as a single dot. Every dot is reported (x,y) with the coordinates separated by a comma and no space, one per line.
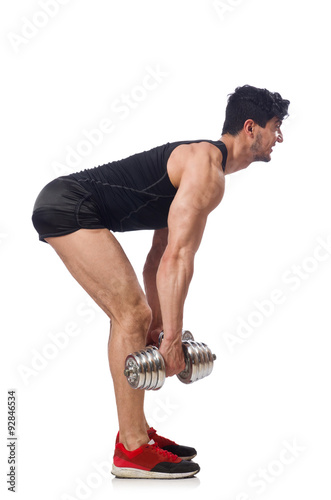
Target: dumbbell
(145,369)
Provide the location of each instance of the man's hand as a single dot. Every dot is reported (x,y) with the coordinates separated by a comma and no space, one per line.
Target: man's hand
(173,355)
(153,336)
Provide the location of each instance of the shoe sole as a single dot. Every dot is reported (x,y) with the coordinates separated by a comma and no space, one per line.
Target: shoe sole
(187,458)
(128,472)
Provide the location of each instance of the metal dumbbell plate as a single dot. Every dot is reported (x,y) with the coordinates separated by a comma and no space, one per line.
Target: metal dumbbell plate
(199,362)
(145,369)
(186,335)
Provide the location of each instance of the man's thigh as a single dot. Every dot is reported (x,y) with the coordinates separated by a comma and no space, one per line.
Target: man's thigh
(97,261)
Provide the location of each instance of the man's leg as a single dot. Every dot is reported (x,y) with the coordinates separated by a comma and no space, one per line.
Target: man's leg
(97,261)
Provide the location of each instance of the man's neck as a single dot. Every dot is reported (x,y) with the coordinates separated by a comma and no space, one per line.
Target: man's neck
(239,155)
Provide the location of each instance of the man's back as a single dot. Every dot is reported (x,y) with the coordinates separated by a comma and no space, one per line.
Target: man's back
(136,192)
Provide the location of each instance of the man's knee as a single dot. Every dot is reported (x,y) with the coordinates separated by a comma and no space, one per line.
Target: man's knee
(142,317)
(137,319)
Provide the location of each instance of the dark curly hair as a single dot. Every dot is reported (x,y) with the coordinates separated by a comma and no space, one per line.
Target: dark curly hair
(252,103)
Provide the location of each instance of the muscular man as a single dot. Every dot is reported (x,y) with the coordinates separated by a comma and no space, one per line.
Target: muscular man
(170,189)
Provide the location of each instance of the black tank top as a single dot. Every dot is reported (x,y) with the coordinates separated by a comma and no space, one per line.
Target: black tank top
(136,192)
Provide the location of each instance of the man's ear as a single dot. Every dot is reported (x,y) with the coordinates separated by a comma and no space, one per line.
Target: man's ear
(249,126)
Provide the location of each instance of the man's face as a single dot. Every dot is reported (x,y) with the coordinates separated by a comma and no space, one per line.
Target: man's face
(266,139)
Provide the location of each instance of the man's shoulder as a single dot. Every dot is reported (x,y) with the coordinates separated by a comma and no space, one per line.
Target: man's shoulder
(202,153)
(203,156)
(201,148)
(194,160)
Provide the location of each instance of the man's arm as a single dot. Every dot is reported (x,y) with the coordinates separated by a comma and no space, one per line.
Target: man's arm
(159,243)
(201,190)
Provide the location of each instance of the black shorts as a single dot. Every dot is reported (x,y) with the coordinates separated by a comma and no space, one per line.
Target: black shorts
(64,206)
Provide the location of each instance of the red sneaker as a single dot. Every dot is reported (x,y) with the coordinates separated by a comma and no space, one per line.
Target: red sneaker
(184,452)
(151,462)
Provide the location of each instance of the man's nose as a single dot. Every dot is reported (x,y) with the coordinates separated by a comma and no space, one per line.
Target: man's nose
(280,137)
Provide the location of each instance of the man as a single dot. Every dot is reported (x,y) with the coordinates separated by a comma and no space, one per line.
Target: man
(170,189)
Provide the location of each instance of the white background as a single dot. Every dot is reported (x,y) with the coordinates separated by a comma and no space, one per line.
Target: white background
(268,390)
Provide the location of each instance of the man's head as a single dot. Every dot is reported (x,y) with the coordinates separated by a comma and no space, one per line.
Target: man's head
(258,113)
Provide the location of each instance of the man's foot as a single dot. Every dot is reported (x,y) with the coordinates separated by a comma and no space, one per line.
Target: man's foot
(184,452)
(151,462)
